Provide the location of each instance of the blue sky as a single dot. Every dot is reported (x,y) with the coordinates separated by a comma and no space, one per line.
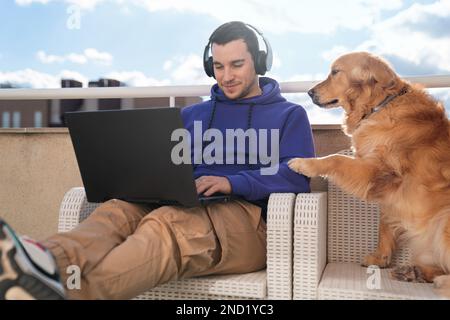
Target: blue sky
(160,42)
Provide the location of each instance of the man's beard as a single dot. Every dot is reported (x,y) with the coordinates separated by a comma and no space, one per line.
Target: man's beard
(244,92)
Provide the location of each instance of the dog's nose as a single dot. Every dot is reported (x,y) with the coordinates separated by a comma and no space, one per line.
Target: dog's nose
(311,93)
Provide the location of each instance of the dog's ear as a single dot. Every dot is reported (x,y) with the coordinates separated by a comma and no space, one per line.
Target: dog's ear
(360,74)
(382,73)
(374,72)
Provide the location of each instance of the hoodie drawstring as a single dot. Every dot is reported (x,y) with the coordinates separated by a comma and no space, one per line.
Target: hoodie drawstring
(213,113)
(249,115)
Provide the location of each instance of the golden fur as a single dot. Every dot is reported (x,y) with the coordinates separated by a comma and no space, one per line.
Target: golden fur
(402,160)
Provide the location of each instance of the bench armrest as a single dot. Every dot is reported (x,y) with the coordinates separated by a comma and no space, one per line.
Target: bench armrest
(280,217)
(310,243)
(74,209)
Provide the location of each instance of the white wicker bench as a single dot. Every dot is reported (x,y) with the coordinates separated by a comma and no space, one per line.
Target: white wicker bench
(329,248)
(273,283)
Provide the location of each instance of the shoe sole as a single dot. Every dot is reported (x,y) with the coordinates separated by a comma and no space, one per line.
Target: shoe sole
(19,279)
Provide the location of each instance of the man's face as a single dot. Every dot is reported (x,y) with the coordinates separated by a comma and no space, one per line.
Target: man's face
(234,70)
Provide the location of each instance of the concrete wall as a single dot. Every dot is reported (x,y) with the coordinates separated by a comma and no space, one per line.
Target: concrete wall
(38,166)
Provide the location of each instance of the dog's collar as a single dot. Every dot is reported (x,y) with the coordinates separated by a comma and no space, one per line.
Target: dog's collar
(385,102)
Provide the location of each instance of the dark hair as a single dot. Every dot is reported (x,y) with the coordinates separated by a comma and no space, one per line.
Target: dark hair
(235,30)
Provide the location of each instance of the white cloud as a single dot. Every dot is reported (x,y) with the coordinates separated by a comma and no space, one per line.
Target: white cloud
(77,58)
(189,67)
(285,15)
(276,61)
(88,55)
(49,58)
(278,16)
(397,36)
(186,70)
(405,36)
(97,56)
(30,78)
(334,53)
(182,70)
(35,79)
(167,65)
(136,79)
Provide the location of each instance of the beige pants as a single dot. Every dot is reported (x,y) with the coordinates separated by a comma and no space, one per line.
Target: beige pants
(123,250)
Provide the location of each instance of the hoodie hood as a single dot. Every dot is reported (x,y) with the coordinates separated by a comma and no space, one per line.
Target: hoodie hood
(270,94)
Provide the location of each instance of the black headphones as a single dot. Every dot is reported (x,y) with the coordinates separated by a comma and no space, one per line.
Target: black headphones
(263,60)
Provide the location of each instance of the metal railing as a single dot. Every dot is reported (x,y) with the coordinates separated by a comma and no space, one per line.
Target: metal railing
(436,81)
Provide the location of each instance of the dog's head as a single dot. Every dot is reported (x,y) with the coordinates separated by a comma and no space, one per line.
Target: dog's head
(357,80)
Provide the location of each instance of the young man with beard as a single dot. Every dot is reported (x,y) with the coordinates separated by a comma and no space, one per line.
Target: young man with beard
(123,249)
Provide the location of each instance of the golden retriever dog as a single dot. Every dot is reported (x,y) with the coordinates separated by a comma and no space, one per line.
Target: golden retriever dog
(401,142)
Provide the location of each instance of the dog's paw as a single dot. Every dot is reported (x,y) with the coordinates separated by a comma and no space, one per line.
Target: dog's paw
(305,166)
(407,274)
(382,261)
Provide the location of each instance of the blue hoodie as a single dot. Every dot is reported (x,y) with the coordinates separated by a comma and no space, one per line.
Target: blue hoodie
(267,111)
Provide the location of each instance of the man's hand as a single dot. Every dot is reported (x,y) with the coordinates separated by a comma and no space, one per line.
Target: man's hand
(208,185)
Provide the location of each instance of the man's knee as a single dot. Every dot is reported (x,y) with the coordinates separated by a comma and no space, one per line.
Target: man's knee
(118,212)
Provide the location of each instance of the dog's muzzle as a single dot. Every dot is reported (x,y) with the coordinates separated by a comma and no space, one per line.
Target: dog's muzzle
(315,98)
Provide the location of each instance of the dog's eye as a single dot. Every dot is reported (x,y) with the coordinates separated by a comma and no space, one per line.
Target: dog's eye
(334,72)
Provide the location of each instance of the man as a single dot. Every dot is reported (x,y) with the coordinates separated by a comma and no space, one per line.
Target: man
(124,249)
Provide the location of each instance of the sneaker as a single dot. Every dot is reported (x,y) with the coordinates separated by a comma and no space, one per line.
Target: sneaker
(27,270)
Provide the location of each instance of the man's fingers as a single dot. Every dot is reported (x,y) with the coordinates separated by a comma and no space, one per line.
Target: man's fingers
(201,188)
(208,185)
(203,185)
(213,189)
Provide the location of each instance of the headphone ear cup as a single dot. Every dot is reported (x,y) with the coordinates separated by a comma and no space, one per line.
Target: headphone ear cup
(209,68)
(260,63)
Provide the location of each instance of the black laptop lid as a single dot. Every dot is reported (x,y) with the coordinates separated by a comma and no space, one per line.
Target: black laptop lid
(126,154)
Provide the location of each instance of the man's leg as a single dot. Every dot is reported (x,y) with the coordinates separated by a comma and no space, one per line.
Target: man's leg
(175,242)
(242,234)
(170,243)
(28,268)
(94,238)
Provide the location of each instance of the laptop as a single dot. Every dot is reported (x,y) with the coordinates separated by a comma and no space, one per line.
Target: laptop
(126,154)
